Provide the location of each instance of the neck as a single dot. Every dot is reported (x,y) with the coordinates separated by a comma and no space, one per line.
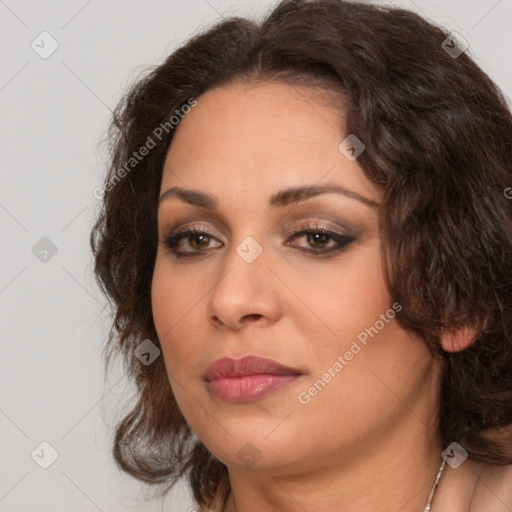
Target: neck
(395,475)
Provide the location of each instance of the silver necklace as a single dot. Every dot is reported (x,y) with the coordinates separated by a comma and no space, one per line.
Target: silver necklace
(430,498)
(439,473)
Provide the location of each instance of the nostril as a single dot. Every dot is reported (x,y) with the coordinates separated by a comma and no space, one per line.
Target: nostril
(252,316)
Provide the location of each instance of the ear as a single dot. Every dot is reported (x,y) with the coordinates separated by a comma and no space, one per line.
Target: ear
(458,339)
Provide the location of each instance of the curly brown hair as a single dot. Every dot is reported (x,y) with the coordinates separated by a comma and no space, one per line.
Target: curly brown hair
(438,137)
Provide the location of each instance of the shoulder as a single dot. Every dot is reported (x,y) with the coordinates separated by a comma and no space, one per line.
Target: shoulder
(475,487)
(493,488)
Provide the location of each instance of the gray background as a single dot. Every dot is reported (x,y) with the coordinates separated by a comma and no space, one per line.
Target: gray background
(53,326)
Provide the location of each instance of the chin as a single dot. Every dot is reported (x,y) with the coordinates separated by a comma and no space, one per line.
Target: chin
(254,443)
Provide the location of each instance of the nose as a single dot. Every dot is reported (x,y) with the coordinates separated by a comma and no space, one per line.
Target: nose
(246,293)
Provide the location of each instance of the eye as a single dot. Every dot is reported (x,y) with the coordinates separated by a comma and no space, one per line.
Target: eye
(198,239)
(317,237)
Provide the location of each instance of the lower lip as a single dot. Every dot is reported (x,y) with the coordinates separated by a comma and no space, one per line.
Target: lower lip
(249,387)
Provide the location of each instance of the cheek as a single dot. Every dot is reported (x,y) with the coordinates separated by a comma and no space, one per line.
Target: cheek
(174,308)
(345,299)
(358,325)
(175,301)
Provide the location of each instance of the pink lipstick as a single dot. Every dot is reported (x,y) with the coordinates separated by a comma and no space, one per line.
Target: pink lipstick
(247,379)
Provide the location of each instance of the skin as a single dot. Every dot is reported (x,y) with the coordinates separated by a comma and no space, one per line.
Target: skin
(367,440)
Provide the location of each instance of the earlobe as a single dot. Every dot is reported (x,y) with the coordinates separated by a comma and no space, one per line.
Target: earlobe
(458,339)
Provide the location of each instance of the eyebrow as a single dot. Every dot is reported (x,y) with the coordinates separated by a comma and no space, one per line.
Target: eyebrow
(278,200)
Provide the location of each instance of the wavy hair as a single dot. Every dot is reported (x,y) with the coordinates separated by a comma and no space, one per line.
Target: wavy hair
(438,137)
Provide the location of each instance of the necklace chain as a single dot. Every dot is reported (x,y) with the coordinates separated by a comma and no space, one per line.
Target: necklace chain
(431,497)
(439,473)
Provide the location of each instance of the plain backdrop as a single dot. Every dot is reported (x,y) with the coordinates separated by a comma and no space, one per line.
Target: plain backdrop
(53,112)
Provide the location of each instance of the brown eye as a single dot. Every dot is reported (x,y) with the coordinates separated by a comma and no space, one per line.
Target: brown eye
(318,238)
(198,241)
(315,239)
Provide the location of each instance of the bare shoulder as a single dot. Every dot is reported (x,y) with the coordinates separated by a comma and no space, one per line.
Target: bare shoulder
(475,486)
(499,476)
(493,489)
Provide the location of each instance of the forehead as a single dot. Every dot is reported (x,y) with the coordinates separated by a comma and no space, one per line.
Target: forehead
(253,138)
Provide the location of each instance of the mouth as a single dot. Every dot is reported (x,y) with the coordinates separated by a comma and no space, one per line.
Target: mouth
(247,379)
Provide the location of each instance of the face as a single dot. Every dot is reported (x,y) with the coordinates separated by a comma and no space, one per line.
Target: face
(295,278)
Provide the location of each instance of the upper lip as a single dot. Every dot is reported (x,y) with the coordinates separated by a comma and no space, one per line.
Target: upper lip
(249,365)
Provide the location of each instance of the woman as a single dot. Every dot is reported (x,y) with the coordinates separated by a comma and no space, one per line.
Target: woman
(306,217)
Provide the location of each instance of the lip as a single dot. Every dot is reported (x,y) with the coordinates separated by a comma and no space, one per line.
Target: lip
(247,379)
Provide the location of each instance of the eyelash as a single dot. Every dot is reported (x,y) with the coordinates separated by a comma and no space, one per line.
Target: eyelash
(172,241)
